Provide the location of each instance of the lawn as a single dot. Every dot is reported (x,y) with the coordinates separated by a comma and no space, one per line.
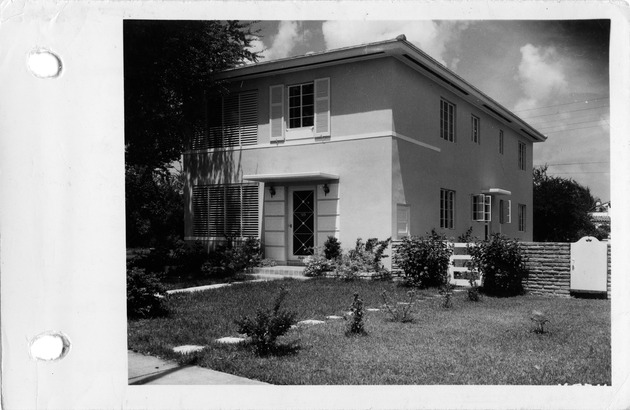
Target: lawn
(487,342)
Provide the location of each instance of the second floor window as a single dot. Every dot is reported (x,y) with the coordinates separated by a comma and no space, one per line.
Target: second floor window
(447,121)
(301,105)
(522,156)
(474,136)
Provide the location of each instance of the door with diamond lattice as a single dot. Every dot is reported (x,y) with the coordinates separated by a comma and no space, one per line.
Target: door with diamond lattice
(301,223)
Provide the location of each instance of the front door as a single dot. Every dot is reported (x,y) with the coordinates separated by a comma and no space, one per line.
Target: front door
(301,222)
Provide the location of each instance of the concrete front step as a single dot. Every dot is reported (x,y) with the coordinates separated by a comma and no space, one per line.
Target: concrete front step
(294,271)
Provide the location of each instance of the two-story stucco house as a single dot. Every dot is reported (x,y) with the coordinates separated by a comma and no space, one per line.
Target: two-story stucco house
(377,140)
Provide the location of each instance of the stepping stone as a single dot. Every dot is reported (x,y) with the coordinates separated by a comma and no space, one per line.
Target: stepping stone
(333,317)
(310,322)
(230,340)
(186,349)
(372,309)
(403,303)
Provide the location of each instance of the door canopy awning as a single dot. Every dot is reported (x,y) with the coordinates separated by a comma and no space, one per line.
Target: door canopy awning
(496,191)
(292,177)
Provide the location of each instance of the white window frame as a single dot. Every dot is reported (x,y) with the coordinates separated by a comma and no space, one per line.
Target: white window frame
(448,119)
(482,208)
(475,129)
(505,211)
(405,211)
(447,208)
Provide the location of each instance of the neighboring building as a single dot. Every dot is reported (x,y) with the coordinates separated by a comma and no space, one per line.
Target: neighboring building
(377,140)
(600,216)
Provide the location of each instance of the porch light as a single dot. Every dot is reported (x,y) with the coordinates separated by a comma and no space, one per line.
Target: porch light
(272,191)
(326,189)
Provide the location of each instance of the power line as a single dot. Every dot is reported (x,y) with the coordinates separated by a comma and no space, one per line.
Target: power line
(573,129)
(567,125)
(577,163)
(560,105)
(566,112)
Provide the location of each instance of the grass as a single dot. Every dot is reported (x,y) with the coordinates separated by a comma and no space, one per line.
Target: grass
(487,342)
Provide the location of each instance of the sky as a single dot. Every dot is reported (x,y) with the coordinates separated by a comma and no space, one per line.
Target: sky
(554,74)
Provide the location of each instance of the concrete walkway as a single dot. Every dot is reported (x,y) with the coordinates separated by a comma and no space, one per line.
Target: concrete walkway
(152,370)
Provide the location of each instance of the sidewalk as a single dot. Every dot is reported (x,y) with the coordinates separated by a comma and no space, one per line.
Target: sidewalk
(152,370)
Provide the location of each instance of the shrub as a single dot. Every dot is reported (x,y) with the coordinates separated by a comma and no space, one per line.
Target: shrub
(446,291)
(473,291)
(332,248)
(146,297)
(540,319)
(267,325)
(231,259)
(424,260)
(317,265)
(400,312)
(501,263)
(356,325)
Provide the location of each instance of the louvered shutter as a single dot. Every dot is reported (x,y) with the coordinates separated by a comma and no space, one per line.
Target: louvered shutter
(509,211)
(322,107)
(233,210)
(231,123)
(200,202)
(276,112)
(250,211)
(216,211)
(248,117)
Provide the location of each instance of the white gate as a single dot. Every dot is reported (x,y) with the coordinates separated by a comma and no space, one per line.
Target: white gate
(589,265)
(458,265)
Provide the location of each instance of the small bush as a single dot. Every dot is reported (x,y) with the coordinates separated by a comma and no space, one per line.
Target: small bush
(267,325)
(446,291)
(424,260)
(400,312)
(502,265)
(146,297)
(231,259)
(356,325)
(332,248)
(473,291)
(317,265)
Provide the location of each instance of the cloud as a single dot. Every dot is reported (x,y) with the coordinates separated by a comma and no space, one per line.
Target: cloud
(541,75)
(432,37)
(288,36)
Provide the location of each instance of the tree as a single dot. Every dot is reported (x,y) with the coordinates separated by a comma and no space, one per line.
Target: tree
(561,208)
(168,68)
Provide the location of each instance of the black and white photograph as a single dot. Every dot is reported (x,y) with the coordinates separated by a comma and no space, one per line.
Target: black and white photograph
(314,205)
(384,202)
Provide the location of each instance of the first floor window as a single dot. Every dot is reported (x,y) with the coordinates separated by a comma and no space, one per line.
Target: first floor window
(225,210)
(447,209)
(522,217)
(301,105)
(402,220)
(505,211)
(481,207)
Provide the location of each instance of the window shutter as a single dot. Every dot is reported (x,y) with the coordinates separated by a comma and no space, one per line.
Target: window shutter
(487,208)
(248,110)
(509,211)
(477,207)
(232,210)
(276,112)
(200,198)
(216,209)
(231,120)
(322,107)
(250,211)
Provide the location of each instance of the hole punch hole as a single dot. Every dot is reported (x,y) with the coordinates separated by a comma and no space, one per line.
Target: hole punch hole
(49,346)
(44,63)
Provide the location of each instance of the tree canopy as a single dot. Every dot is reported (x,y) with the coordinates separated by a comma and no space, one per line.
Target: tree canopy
(168,65)
(561,209)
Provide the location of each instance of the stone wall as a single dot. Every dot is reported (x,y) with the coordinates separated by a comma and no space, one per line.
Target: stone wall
(549,266)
